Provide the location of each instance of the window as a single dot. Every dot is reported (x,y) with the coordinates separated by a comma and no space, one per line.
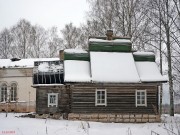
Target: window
(52,99)
(13,93)
(3,93)
(101,97)
(141,98)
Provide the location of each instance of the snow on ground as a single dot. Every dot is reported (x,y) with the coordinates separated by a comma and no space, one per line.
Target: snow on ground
(12,125)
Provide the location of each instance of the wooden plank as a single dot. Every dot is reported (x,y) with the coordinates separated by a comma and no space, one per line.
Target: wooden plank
(42,98)
(120,98)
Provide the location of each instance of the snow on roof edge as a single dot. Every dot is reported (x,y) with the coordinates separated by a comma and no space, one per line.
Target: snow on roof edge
(71,51)
(144,53)
(110,41)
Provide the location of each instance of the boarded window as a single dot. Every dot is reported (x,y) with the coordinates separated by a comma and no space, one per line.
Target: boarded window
(101,97)
(53,99)
(141,98)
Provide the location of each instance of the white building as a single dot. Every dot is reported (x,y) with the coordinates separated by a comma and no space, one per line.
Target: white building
(16,93)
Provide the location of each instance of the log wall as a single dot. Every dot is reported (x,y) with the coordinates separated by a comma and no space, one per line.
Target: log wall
(42,99)
(120,99)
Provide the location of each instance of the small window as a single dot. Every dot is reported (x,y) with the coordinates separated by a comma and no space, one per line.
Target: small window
(52,99)
(101,97)
(141,99)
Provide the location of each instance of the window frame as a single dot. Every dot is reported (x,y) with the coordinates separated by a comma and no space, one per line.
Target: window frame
(3,92)
(56,100)
(13,92)
(145,98)
(105,99)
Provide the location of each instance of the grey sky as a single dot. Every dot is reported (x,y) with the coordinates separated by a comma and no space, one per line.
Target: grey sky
(46,13)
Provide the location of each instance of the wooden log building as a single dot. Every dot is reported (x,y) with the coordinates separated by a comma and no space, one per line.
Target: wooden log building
(107,83)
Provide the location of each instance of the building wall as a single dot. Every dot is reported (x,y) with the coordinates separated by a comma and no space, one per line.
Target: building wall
(42,100)
(120,99)
(26,95)
(78,101)
(121,103)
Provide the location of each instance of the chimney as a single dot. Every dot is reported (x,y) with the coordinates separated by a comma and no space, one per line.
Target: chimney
(109,34)
(61,54)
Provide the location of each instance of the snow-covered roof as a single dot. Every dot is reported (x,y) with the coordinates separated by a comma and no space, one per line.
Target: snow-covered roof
(74,51)
(144,53)
(25,63)
(77,71)
(110,41)
(113,67)
(149,72)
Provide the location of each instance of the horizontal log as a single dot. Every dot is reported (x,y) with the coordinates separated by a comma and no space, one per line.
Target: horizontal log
(113,90)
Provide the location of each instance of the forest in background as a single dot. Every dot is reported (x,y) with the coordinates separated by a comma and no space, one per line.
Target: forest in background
(152,25)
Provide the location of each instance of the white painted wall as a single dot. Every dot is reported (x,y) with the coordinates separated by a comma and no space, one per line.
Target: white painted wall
(23,78)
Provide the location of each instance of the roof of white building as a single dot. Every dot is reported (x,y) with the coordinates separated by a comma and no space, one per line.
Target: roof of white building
(25,63)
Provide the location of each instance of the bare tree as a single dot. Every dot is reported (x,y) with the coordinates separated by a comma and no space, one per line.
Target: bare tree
(72,36)
(54,43)
(21,34)
(124,17)
(5,44)
(162,12)
(38,42)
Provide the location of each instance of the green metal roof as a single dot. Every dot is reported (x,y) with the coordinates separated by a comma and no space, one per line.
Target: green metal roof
(100,44)
(77,56)
(150,58)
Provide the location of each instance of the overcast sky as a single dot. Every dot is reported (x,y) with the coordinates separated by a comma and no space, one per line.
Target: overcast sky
(46,13)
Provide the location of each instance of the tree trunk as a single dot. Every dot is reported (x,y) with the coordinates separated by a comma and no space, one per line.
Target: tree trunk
(160,50)
(168,44)
(171,92)
(161,86)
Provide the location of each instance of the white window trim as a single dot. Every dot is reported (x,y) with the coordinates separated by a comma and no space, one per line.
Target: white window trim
(14,92)
(4,97)
(52,104)
(101,104)
(145,103)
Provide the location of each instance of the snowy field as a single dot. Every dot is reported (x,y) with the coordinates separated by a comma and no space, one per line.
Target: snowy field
(14,125)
